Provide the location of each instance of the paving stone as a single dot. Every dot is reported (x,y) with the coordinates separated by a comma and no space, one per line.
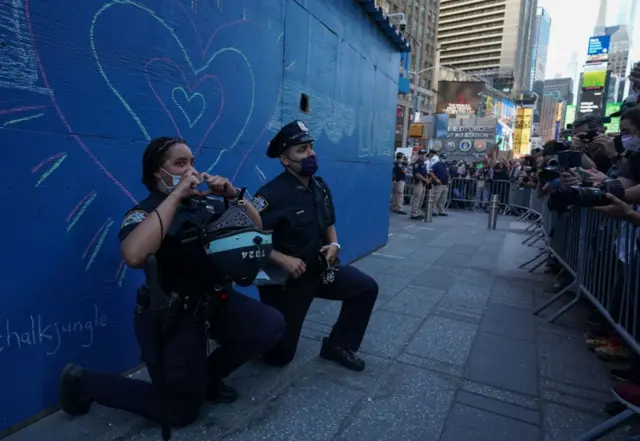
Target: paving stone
(499,407)
(415,301)
(388,333)
(509,321)
(453,260)
(467,423)
(443,340)
(390,284)
(410,404)
(469,296)
(565,358)
(311,410)
(428,254)
(496,393)
(436,278)
(478,278)
(407,268)
(561,423)
(505,363)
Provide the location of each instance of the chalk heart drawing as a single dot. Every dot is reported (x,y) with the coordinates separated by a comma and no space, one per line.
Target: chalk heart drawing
(180,95)
(198,71)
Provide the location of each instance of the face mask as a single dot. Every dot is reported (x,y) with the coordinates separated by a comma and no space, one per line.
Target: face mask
(308,166)
(175,180)
(631,143)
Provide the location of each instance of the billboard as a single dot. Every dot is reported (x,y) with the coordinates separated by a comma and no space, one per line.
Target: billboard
(459,97)
(591,102)
(570,116)
(614,125)
(594,79)
(598,48)
(475,137)
(522,135)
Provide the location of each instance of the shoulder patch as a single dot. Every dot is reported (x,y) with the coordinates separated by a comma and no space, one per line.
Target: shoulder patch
(260,203)
(134,217)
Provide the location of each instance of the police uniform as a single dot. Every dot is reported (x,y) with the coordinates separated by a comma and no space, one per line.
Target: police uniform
(419,168)
(299,216)
(191,376)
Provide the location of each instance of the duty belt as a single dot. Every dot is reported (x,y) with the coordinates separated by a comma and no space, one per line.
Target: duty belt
(202,306)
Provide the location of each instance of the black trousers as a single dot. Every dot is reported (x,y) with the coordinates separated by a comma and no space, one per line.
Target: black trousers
(357,291)
(245,329)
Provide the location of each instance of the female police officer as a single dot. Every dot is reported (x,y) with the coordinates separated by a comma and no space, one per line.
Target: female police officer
(190,376)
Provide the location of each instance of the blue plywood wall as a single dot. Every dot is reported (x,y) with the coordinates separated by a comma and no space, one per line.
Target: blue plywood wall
(85,84)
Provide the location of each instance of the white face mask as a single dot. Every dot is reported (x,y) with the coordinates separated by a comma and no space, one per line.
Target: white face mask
(631,143)
(175,180)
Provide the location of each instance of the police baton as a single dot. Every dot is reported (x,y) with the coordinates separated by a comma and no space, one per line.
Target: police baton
(157,299)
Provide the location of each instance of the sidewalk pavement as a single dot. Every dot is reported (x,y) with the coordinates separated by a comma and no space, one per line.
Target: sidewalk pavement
(453,354)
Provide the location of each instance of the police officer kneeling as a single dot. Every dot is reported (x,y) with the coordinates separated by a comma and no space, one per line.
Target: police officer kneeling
(298,208)
(186,231)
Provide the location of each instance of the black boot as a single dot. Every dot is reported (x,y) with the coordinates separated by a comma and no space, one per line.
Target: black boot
(70,392)
(218,392)
(343,356)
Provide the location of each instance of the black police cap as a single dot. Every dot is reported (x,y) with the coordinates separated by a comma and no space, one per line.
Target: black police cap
(294,133)
(422,151)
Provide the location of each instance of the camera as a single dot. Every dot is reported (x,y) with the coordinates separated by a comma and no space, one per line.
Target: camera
(587,197)
(402,25)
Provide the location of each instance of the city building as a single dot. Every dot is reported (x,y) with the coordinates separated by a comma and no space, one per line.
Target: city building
(539,46)
(549,115)
(490,39)
(560,87)
(573,70)
(421,29)
(619,62)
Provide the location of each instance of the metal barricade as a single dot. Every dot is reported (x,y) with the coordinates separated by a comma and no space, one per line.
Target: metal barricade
(601,255)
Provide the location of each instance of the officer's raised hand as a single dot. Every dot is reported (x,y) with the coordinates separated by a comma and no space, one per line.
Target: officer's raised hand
(218,186)
(186,188)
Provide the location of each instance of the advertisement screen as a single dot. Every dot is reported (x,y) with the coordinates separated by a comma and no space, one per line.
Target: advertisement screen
(522,135)
(459,97)
(591,102)
(594,79)
(599,45)
(570,116)
(614,125)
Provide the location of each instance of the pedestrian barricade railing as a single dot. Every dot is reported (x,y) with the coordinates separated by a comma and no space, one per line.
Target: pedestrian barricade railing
(601,257)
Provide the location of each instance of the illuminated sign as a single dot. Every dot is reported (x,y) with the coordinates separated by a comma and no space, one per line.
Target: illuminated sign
(591,102)
(559,113)
(598,49)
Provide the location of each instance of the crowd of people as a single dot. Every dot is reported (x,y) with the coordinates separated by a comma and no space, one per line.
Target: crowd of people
(585,157)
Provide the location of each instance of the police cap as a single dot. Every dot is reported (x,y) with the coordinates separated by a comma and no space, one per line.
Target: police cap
(294,133)
(422,152)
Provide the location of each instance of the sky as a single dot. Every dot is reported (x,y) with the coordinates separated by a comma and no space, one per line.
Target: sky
(572,23)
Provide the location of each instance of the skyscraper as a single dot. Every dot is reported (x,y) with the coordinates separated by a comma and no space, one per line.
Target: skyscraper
(488,38)
(539,46)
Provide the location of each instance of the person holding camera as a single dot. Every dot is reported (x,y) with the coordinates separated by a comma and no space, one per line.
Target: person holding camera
(599,149)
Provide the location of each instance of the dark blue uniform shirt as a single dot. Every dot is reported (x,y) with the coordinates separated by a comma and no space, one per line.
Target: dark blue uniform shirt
(298,215)
(399,171)
(419,168)
(441,171)
(183,267)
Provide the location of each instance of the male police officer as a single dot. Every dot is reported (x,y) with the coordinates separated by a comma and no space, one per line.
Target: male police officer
(420,181)
(298,208)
